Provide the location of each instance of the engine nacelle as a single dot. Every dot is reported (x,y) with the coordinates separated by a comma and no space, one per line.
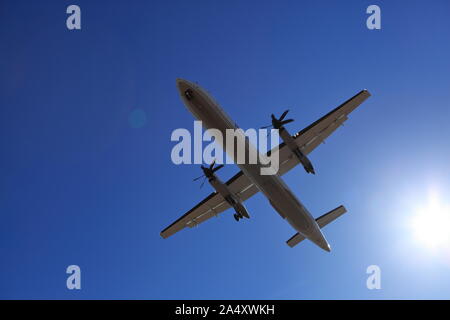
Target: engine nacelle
(229,197)
(292,145)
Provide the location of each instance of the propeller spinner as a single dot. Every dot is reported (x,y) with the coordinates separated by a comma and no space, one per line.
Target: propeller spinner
(208,172)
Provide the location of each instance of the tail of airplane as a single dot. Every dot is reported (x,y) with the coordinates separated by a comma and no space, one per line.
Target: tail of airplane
(322,221)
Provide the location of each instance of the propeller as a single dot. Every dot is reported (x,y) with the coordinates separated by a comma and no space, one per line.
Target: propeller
(208,172)
(279,123)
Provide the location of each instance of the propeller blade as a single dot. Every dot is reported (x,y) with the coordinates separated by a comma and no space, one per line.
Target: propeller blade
(283,115)
(203,182)
(199,177)
(218,167)
(267,127)
(286,121)
(212,164)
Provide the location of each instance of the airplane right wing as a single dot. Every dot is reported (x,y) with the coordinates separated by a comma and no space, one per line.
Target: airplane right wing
(313,135)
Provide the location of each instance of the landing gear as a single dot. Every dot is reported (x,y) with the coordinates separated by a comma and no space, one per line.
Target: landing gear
(237,216)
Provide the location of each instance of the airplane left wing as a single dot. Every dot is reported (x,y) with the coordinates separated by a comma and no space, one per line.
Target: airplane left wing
(212,205)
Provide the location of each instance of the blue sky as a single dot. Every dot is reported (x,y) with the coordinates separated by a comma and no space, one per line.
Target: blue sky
(86,119)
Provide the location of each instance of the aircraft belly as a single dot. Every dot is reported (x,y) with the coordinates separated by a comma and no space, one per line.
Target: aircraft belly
(287,205)
(278,193)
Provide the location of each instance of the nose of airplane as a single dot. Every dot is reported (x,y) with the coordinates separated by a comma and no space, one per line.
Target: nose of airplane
(183,83)
(180,83)
(180,80)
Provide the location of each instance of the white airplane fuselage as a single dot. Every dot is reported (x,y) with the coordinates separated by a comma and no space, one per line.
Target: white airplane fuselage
(207,110)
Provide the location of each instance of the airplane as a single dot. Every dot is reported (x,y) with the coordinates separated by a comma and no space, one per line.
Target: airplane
(247,182)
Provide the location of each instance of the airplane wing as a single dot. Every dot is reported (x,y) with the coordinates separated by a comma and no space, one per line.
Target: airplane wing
(316,133)
(212,205)
(307,139)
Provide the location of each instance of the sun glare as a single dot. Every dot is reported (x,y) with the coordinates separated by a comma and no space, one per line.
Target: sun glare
(431,224)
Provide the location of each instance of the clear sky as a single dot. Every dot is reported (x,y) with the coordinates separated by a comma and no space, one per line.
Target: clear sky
(87,178)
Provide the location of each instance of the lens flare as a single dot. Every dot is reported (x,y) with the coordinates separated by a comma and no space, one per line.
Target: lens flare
(431,224)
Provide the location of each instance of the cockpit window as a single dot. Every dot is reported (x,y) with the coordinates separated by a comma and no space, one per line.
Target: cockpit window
(188,94)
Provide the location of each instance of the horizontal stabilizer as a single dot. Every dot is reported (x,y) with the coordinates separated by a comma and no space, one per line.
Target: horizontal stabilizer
(322,221)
